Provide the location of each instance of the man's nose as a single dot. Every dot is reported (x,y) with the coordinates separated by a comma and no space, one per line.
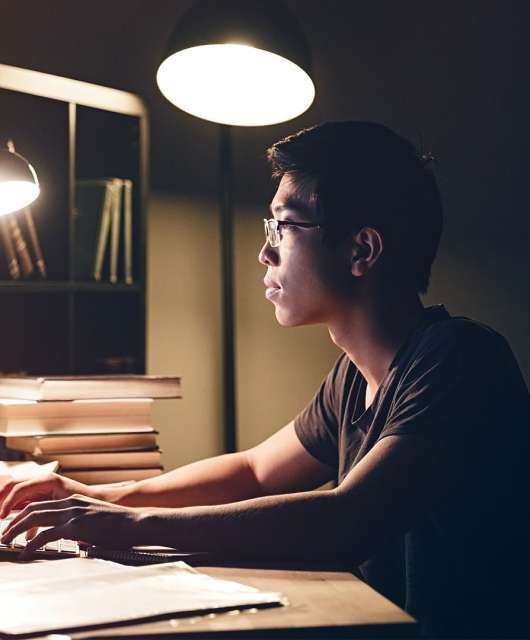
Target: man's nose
(268,255)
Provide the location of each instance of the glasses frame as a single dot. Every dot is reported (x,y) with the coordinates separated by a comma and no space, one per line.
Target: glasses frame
(273,229)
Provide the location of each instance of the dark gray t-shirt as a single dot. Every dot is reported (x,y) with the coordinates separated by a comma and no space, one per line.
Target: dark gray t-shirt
(462,567)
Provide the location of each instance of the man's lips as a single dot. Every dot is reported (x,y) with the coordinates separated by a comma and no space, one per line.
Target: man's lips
(271,288)
(270,292)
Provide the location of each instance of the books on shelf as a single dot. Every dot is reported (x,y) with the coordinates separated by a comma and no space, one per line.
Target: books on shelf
(89,387)
(21,245)
(127,231)
(104,206)
(9,249)
(115,230)
(21,248)
(35,243)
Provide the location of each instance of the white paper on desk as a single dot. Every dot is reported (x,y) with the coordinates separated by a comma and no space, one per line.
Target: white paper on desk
(65,594)
(26,470)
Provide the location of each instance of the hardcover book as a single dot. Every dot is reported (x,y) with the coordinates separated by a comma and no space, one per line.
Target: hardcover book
(92,442)
(93,201)
(105,476)
(82,424)
(89,387)
(11,408)
(100,460)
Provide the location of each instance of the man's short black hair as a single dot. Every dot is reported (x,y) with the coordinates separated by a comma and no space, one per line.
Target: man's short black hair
(365,174)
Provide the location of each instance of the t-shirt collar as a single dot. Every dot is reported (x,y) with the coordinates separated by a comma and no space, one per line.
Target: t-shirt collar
(430,315)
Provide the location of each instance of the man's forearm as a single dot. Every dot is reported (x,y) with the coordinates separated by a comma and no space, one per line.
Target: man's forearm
(312,524)
(218,480)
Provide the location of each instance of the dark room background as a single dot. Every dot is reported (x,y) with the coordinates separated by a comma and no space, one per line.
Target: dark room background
(454,73)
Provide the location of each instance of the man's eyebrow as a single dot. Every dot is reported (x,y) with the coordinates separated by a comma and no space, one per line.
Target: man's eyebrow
(293,204)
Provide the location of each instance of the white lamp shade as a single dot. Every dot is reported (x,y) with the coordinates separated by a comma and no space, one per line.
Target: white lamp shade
(238,62)
(235,84)
(19,185)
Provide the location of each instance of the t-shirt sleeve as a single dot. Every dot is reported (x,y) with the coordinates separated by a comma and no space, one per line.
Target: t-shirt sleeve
(317,426)
(446,390)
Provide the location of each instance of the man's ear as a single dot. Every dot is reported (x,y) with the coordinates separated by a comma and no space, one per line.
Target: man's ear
(367,247)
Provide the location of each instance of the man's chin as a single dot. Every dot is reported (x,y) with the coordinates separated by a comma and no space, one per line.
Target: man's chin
(286,319)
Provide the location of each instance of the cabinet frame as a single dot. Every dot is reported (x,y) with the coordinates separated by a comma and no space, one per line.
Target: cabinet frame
(76,93)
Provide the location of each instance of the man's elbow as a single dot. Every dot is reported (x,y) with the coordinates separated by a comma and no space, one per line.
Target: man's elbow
(356,535)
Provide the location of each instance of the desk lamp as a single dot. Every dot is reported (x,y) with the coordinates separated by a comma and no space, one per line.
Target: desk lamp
(243,63)
(19,185)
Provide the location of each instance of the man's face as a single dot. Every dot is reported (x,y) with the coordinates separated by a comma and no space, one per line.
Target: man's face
(307,281)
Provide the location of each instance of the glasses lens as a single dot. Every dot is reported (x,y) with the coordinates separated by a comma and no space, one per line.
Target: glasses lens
(272,232)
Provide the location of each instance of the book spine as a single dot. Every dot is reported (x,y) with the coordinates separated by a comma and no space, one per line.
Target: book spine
(34,241)
(127,227)
(20,246)
(115,237)
(12,262)
(103,231)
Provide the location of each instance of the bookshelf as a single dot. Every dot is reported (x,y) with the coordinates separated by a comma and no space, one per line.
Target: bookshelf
(70,131)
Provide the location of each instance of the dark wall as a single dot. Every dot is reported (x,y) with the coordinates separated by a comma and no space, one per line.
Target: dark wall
(456,71)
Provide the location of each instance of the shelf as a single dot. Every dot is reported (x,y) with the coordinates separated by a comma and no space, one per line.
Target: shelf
(49,286)
(68,323)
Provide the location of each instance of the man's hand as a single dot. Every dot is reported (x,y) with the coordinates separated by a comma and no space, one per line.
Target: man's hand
(16,494)
(77,518)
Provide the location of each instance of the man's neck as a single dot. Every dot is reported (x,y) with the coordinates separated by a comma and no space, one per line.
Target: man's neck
(372,332)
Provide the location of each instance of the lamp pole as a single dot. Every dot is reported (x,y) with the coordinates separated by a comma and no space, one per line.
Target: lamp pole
(227,278)
(207,72)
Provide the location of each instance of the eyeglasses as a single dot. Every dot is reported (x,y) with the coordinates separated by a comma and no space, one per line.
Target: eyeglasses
(273,229)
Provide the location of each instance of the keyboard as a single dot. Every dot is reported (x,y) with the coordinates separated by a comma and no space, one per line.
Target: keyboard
(62,547)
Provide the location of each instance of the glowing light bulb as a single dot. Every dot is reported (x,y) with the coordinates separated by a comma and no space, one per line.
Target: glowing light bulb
(235,84)
(16,194)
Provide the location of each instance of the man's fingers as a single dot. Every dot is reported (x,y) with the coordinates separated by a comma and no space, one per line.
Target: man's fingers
(6,488)
(20,493)
(49,518)
(31,533)
(49,505)
(9,496)
(32,506)
(55,533)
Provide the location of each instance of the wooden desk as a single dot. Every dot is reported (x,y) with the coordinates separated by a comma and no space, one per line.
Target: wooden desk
(321,604)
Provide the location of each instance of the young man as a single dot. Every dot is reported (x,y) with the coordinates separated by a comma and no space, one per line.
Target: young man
(423,421)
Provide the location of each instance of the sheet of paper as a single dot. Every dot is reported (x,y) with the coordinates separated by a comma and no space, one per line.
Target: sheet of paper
(26,470)
(65,594)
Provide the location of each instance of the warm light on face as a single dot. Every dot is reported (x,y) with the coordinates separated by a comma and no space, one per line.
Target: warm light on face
(235,84)
(16,194)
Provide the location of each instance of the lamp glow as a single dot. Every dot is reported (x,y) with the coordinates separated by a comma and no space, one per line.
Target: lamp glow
(15,195)
(235,84)
(19,185)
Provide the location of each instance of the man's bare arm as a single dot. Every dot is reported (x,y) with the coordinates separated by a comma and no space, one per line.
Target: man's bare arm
(381,497)
(378,499)
(278,465)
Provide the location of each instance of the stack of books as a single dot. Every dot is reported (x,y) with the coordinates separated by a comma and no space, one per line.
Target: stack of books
(98,428)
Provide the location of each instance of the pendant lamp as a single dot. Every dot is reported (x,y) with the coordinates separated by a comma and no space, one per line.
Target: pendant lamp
(244,63)
(19,185)
(238,62)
